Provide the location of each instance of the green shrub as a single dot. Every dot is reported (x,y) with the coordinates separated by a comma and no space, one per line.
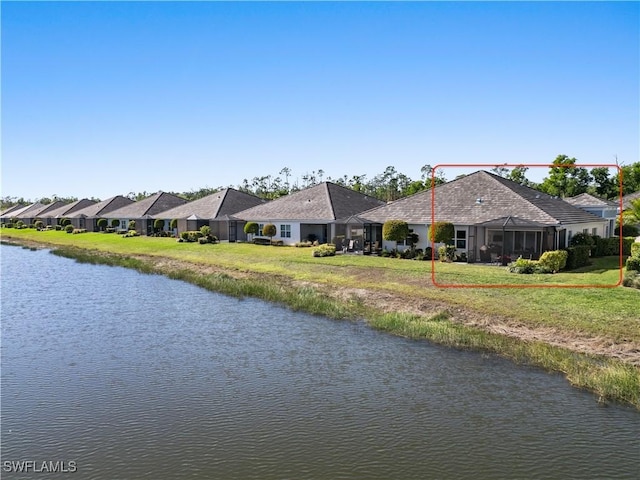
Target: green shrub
(19,224)
(577,256)
(631,279)
(324,250)
(635,250)
(395,230)
(303,244)
(115,223)
(111,230)
(59,227)
(581,239)
(447,253)
(191,235)
(102,223)
(31,225)
(523,265)
(173,224)
(626,245)
(269,230)
(69,228)
(442,232)
(39,224)
(205,230)
(633,263)
(77,230)
(65,221)
(627,231)
(8,225)
(131,233)
(554,260)
(251,227)
(132,225)
(158,224)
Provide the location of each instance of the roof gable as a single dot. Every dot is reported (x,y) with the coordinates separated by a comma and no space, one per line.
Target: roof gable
(481,197)
(217,205)
(587,200)
(67,209)
(149,206)
(323,202)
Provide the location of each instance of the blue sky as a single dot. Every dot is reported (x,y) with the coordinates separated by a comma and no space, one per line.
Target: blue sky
(100,99)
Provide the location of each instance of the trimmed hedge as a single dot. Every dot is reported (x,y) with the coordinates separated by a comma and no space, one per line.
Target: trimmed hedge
(554,260)
(325,250)
(578,256)
(441,232)
(191,235)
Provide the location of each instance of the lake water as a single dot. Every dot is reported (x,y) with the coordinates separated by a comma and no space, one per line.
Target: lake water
(128,376)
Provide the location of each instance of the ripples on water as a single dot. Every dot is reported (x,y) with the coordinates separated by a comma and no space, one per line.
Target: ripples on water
(138,376)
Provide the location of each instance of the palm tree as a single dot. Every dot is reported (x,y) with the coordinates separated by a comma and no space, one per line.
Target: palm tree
(631,216)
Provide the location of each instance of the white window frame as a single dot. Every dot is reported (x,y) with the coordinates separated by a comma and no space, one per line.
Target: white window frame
(285,230)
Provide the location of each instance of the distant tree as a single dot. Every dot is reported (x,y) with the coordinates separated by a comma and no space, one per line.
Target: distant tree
(630,178)
(603,186)
(565,179)
(158,225)
(518,175)
(395,231)
(501,171)
(269,230)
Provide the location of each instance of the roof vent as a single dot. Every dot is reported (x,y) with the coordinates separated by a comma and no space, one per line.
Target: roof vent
(478,201)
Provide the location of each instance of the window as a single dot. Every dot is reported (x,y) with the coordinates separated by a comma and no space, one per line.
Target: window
(585,231)
(594,231)
(285,231)
(461,239)
(260,225)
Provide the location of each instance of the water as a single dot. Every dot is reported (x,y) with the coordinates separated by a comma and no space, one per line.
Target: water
(133,376)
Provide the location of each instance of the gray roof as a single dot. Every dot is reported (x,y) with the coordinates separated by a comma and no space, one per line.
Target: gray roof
(627,199)
(64,210)
(323,203)
(221,205)
(481,197)
(12,210)
(37,209)
(587,200)
(150,206)
(103,207)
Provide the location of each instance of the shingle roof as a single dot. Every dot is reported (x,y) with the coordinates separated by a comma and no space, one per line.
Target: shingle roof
(323,202)
(12,210)
(627,199)
(587,200)
(38,209)
(65,210)
(103,207)
(217,205)
(156,203)
(481,197)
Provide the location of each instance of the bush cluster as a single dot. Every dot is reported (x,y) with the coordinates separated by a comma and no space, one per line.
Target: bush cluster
(578,256)
(447,253)
(633,262)
(131,233)
(526,266)
(554,260)
(69,228)
(324,250)
(190,235)
(77,230)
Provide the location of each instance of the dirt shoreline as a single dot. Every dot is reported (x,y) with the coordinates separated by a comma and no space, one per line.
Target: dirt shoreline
(383,301)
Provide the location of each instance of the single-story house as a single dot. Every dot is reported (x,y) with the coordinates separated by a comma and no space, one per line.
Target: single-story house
(53,217)
(144,211)
(88,216)
(606,209)
(7,214)
(491,215)
(310,214)
(34,211)
(216,211)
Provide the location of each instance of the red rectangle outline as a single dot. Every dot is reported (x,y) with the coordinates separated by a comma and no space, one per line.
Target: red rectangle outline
(517,285)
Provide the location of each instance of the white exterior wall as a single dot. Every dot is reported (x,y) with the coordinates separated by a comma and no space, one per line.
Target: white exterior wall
(579,228)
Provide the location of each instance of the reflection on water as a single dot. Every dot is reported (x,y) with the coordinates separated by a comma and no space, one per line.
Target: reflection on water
(138,376)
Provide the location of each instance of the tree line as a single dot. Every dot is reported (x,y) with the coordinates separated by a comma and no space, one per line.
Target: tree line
(564,179)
